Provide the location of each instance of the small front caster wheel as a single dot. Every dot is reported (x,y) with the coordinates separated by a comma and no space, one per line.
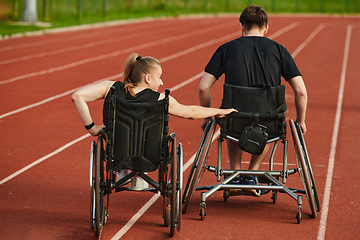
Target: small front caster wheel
(202,211)
(299,214)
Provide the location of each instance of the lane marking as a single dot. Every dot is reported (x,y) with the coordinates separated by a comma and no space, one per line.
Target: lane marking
(40,160)
(136,216)
(55,97)
(79,35)
(104,42)
(308,39)
(113,54)
(331,164)
(73,142)
(276,34)
(284,30)
(141,212)
(206,44)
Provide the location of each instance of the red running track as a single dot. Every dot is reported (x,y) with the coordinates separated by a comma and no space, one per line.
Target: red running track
(44,150)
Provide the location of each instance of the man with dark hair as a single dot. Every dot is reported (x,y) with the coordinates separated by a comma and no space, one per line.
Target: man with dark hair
(249,61)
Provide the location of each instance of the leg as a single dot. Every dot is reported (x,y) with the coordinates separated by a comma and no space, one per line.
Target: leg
(257,160)
(235,154)
(255,164)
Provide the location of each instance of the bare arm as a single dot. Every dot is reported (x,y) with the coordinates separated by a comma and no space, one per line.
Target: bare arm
(195,112)
(205,94)
(205,89)
(298,86)
(87,94)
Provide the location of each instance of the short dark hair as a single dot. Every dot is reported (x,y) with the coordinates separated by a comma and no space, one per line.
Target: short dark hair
(253,15)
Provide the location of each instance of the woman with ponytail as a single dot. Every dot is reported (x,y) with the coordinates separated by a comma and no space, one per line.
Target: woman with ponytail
(142,78)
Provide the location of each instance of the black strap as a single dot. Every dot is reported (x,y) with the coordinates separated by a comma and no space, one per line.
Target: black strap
(88,127)
(271,103)
(270,96)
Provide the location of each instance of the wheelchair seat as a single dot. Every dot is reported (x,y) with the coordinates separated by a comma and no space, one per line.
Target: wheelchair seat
(262,104)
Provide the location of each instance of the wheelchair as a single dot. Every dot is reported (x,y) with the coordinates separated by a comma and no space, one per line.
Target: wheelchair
(137,139)
(264,106)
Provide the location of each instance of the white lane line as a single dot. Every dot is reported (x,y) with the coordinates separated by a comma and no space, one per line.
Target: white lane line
(136,216)
(331,164)
(187,51)
(276,34)
(72,143)
(55,97)
(104,42)
(77,27)
(308,39)
(284,30)
(103,31)
(113,54)
(43,158)
(152,200)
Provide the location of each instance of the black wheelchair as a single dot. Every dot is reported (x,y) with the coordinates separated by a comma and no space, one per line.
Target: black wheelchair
(257,106)
(137,139)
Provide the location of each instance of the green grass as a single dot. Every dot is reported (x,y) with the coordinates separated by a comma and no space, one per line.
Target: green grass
(61,13)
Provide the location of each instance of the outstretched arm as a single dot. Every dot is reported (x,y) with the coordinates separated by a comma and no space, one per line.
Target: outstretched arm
(298,86)
(195,112)
(87,94)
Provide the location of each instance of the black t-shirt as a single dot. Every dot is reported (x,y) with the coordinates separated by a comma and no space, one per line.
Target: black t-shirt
(247,61)
(146,95)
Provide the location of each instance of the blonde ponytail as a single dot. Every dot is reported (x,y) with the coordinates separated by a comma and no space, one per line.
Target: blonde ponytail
(135,67)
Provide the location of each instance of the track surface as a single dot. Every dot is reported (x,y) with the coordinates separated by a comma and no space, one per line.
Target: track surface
(44,149)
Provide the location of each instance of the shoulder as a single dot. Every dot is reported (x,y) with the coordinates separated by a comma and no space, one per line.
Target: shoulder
(271,42)
(108,84)
(118,84)
(231,43)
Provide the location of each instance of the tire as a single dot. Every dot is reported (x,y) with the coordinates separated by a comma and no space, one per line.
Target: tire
(173,180)
(299,216)
(308,164)
(99,191)
(92,183)
(179,193)
(304,171)
(198,165)
(202,211)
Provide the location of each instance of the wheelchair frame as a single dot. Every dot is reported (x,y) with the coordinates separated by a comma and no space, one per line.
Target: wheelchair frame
(270,177)
(102,177)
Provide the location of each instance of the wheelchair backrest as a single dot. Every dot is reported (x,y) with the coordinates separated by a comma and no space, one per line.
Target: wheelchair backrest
(268,103)
(138,132)
(253,99)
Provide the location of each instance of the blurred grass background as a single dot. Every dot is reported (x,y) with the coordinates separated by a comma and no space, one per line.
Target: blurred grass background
(61,13)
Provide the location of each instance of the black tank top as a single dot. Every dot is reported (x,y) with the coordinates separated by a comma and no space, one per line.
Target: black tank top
(146,95)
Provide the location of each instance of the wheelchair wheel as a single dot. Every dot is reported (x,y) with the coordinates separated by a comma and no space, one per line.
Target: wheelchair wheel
(176,189)
(100,173)
(308,164)
(303,168)
(198,167)
(92,183)
(180,187)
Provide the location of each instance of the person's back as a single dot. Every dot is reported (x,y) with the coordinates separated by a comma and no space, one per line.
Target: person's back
(250,60)
(146,95)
